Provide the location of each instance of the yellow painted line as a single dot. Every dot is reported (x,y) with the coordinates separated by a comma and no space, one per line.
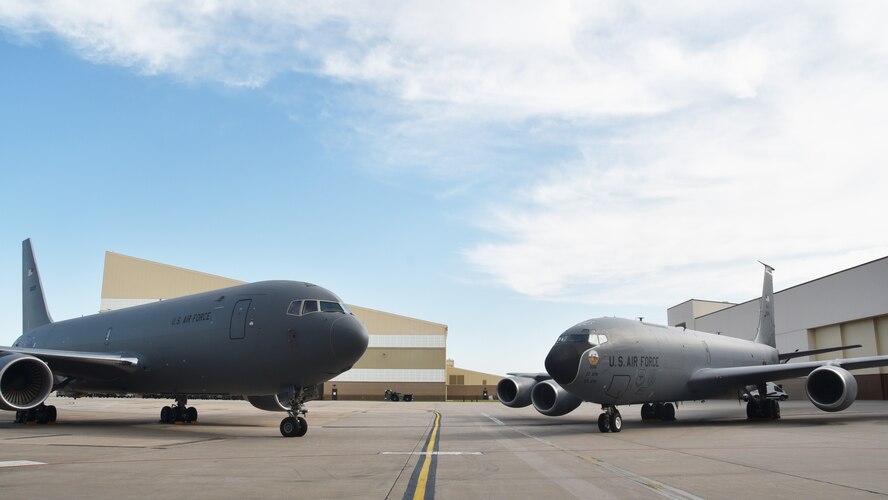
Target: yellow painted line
(419,493)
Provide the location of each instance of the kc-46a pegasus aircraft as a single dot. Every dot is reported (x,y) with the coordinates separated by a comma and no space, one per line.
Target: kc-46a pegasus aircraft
(612,361)
(271,342)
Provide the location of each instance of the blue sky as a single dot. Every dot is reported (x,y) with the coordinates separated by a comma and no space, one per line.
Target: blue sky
(506,178)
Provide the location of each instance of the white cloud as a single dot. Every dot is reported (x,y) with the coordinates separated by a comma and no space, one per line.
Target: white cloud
(712,134)
(505,59)
(795,180)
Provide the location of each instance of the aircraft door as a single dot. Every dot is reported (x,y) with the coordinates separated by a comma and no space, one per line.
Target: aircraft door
(238,327)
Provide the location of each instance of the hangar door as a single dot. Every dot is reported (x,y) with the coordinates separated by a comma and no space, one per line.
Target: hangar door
(238,327)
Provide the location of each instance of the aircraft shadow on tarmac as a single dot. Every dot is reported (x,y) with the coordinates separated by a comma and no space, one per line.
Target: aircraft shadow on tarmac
(122,423)
(701,419)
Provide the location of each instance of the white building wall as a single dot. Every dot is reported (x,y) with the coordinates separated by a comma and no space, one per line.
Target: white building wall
(802,312)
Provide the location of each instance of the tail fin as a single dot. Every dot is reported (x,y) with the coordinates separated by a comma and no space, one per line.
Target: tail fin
(34,312)
(766,331)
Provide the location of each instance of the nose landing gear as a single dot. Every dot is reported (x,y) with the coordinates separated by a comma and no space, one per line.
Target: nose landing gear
(610,420)
(295,424)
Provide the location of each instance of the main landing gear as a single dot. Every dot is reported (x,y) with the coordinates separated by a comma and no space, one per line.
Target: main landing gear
(657,411)
(293,425)
(760,407)
(179,412)
(41,414)
(768,409)
(610,420)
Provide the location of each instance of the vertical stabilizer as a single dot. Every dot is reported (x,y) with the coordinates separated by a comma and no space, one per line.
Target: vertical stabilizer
(766,331)
(34,312)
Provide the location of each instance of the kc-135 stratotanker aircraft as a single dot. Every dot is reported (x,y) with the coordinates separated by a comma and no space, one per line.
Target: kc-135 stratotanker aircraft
(271,342)
(613,361)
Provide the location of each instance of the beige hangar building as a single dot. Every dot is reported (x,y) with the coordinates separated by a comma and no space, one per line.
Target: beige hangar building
(405,354)
(844,308)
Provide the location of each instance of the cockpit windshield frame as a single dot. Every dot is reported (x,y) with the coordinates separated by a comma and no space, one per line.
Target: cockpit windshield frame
(586,335)
(301,307)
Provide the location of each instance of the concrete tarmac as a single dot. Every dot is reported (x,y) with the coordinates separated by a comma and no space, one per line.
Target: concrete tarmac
(112,448)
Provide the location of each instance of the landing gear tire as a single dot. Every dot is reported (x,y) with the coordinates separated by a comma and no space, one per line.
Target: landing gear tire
(668,413)
(603,423)
(768,409)
(42,414)
(616,422)
(166,415)
(191,414)
(647,412)
(610,419)
(289,427)
(303,427)
(293,427)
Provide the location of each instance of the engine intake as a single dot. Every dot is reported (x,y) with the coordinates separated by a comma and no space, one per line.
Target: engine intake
(25,382)
(831,388)
(514,392)
(551,399)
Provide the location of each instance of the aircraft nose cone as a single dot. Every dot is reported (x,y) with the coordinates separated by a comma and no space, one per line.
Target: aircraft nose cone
(563,361)
(348,340)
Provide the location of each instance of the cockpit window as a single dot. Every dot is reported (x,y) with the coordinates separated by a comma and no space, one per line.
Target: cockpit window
(584,336)
(309,306)
(300,307)
(330,307)
(294,308)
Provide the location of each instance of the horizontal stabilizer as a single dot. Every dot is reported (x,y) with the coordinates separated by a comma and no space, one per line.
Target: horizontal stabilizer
(798,354)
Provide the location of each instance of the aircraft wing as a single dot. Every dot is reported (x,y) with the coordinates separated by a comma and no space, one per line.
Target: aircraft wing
(78,363)
(539,377)
(759,374)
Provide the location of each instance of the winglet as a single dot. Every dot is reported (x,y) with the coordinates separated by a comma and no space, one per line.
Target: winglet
(34,312)
(766,329)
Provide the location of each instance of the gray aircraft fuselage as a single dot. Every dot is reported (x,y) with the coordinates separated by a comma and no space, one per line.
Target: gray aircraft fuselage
(234,341)
(645,363)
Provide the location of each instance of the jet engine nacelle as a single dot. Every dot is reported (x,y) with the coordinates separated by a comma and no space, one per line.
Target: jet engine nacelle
(551,399)
(514,392)
(271,402)
(831,388)
(25,382)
